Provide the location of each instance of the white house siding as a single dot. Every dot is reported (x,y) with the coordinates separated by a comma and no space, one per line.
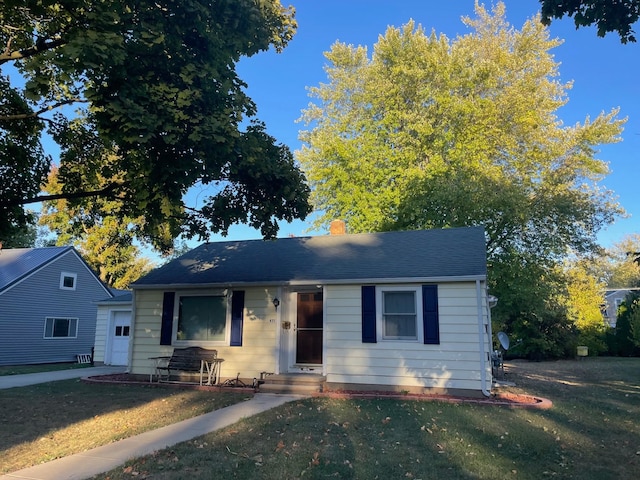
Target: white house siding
(454,364)
(258,351)
(103,327)
(24,307)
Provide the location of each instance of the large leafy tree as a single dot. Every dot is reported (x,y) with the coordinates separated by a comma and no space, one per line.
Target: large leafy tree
(105,240)
(152,86)
(608,15)
(585,297)
(621,266)
(429,132)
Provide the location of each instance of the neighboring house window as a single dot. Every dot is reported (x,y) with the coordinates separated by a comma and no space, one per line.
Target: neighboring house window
(619,302)
(399,314)
(68,281)
(59,327)
(202,318)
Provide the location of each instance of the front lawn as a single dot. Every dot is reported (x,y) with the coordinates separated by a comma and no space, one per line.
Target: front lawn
(591,433)
(43,422)
(45,367)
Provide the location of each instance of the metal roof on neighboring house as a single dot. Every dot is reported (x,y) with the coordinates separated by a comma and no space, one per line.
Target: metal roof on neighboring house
(420,254)
(18,263)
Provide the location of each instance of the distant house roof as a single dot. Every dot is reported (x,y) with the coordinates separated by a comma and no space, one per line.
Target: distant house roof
(419,254)
(121,296)
(18,263)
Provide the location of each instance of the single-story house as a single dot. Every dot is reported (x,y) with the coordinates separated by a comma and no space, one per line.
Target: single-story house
(47,305)
(403,311)
(113,329)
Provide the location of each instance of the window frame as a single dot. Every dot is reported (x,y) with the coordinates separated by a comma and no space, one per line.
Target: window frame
(380,323)
(63,276)
(176,320)
(72,320)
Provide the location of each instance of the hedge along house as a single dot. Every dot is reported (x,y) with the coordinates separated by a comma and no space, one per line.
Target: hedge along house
(403,311)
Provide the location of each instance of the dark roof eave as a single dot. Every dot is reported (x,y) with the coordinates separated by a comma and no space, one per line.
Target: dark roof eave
(350,281)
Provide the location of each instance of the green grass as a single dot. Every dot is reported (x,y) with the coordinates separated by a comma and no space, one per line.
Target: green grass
(46,367)
(43,422)
(591,433)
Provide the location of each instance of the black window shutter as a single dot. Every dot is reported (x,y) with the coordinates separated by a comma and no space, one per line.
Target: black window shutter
(237,317)
(430,314)
(369,314)
(166,330)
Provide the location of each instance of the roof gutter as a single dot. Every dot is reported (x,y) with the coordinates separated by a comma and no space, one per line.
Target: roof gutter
(293,283)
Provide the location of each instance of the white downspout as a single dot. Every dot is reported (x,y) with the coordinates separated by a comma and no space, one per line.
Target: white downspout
(481,336)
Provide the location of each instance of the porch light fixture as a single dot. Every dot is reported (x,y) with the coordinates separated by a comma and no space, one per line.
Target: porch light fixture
(276,303)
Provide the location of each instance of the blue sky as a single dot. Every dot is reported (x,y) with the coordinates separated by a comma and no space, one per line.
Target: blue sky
(604,72)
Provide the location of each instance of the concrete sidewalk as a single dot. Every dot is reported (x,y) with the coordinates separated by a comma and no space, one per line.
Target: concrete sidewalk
(11,381)
(102,459)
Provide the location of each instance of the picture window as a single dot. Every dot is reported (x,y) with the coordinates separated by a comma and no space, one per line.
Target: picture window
(202,318)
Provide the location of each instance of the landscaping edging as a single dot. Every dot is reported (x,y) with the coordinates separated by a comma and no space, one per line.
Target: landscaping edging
(510,400)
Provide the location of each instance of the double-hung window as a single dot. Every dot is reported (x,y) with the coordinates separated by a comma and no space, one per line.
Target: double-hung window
(400,315)
(202,318)
(59,327)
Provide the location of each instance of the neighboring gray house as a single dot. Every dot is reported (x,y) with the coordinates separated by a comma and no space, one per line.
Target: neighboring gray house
(113,327)
(47,305)
(403,311)
(613,300)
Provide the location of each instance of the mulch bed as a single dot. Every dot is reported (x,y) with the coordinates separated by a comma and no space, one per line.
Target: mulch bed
(511,400)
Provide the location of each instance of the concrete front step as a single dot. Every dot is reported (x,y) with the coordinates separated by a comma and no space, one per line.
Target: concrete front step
(293,383)
(289,389)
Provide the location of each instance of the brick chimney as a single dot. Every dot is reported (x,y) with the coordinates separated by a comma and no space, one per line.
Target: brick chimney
(337,227)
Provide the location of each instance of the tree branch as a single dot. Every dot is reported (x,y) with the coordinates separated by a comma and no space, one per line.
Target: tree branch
(63,196)
(39,47)
(24,116)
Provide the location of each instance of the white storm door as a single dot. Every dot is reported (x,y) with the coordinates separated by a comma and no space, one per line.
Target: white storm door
(120,330)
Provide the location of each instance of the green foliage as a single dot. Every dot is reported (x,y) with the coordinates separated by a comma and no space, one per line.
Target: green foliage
(429,132)
(106,241)
(622,270)
(532,308)
(22,159)
(627,334)
(595,339)
(607,15)
(159,97)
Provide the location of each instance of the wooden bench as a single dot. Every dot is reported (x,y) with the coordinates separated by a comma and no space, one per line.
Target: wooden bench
(195,360)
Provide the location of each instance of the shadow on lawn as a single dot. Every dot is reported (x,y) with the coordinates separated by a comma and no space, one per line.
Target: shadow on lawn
(51,419)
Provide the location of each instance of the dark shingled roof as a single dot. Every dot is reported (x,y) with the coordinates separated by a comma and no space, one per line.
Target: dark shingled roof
(420,254)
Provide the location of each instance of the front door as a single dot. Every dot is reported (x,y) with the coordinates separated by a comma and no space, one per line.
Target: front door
(120,329)
(309,328)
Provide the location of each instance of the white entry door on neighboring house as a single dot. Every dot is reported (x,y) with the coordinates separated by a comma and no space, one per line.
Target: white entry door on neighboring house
(119,338)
